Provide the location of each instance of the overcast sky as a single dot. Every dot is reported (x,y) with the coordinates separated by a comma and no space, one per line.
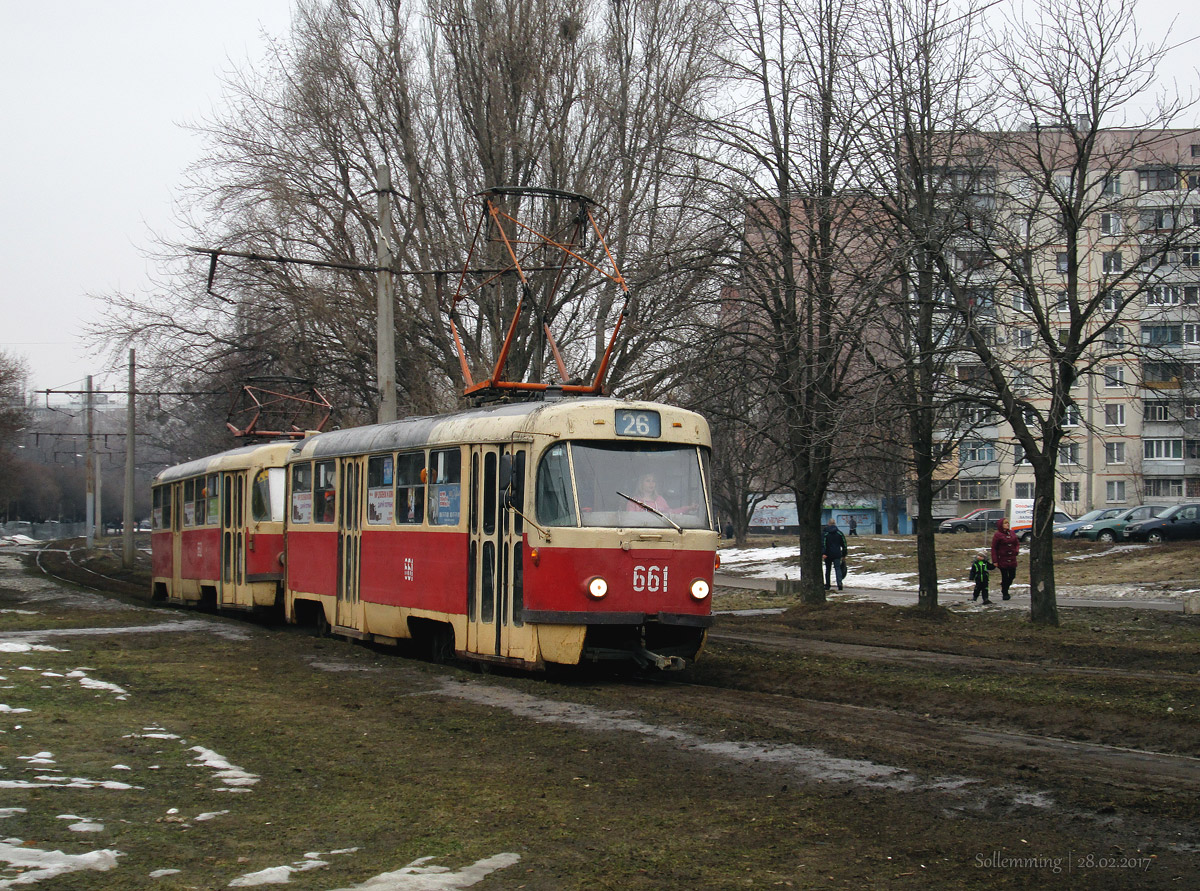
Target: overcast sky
(95,96)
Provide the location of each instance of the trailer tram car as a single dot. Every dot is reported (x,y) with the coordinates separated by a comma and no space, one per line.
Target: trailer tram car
(217,534)
(512,533)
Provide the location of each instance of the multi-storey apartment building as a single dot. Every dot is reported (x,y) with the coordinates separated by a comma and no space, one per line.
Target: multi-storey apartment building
(1133,425)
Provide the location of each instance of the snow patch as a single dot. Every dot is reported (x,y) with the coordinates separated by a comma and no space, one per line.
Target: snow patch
(35,865)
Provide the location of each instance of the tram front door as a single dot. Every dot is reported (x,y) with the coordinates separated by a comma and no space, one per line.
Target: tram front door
(495,558)
(349,606)
(233,541)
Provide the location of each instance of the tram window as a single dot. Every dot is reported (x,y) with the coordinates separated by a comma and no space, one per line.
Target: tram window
(489,493)
(189,507)
(302,499)
(381,495)
(156,512)
(212,491)
(167,512)
(410,491)
(266,496)
(445,489)
(555,500)
(325,491)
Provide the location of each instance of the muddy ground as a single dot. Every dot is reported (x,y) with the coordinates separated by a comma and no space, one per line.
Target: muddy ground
(851,745)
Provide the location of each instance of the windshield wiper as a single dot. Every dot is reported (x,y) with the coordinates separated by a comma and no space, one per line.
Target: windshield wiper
(652,510)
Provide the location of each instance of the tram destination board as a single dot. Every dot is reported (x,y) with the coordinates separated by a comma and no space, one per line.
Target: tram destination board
(638,423)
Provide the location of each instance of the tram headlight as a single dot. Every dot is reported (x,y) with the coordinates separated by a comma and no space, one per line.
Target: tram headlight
(597,587)
(700,589)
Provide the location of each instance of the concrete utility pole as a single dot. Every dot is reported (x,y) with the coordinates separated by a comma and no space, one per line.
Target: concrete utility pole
(385,324)
(127,552)
(89,464)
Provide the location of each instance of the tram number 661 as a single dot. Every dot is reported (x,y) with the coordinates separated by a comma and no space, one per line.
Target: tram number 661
(650,578)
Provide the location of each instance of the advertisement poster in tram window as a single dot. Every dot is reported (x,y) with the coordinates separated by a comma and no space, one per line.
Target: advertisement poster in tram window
(302,507)
(446,499)
(380,504)
(189,513)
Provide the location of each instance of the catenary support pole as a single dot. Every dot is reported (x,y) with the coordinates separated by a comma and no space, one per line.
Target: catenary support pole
(385,325)
(127,552)
(90,469)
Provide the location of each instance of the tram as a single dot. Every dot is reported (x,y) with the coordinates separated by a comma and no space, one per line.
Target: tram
(557,531)
(217,529)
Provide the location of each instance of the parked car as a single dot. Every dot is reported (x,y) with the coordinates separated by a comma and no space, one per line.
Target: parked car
(1113,529)
(1025,532)
(1071,529)
(1176,523)
(975,521)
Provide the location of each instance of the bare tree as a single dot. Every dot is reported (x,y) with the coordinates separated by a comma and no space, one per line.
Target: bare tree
(1067,75)
(789,143)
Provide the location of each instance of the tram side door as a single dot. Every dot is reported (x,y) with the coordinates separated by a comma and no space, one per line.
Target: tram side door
(349,607)
(176,491)
(495,558)
(233,538)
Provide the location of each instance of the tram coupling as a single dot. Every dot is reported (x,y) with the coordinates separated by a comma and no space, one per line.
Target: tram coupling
(645,658)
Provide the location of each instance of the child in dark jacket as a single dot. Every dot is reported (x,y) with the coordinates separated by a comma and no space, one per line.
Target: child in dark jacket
(979,575)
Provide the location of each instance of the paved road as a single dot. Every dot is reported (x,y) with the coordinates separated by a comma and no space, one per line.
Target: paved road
(909,598)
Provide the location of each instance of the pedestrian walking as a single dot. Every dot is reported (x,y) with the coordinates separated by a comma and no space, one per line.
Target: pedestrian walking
(980,569)
(853,525)
(834,550)
(1005,547)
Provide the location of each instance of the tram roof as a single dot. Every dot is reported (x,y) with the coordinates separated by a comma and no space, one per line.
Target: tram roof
(232,458)
(491,423)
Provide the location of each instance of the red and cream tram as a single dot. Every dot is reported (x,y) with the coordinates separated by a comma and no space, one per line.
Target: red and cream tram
(555,531)
(217,534)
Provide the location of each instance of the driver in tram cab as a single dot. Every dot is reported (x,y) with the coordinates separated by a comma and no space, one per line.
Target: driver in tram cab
(647,493)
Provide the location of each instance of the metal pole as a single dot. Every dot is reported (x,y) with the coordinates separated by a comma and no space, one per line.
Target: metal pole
(89,464)
(385,324)
(127,551)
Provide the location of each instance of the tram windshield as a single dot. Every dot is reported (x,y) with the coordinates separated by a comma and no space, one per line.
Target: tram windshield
(622,485)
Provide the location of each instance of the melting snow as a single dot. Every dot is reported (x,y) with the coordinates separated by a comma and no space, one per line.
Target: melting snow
(227,773)
(36,865)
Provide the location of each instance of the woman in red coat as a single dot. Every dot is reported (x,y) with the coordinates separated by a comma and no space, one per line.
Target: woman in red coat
(1005,547)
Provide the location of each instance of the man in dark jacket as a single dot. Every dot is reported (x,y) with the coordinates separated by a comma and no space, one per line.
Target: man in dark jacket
(834,549)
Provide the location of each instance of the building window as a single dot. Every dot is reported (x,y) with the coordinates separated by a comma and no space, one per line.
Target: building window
(1191,333)
(1062,262)
(1110,184)
(1164,488)
(1163,295)
(1024,338)
(1191,295)
(1020,302)
(1111,300)
(1161,219)
(1114,338)
(1068,491)
(1024,491)
(978,490)
(1112,262)
(1191,411)
(1110,224)
(1114,376)
(1155,373)
(1115,491)
(1156,411)
(1019,455)
(974,450)
(1068,454)
(1071,416)
(1114,453)
(1114,415)
(1189,256)
(1158,179)
(1162,449)
(1160,335)
(1191,448)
